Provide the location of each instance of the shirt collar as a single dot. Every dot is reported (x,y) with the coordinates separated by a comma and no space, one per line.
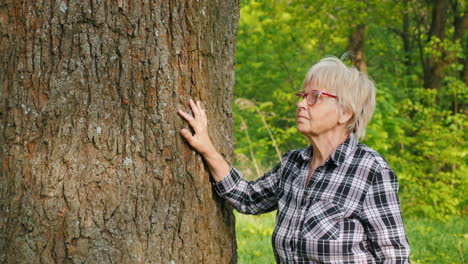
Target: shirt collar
(339,155)
(344,150)
(305,153)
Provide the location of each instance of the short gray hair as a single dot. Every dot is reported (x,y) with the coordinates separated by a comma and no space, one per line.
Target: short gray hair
(355,90)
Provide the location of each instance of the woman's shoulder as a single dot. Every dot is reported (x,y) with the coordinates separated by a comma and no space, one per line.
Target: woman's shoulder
(367,155)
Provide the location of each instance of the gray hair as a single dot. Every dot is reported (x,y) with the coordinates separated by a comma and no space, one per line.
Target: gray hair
(355,90)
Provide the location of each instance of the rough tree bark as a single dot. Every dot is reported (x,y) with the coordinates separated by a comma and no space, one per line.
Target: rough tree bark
(93,167)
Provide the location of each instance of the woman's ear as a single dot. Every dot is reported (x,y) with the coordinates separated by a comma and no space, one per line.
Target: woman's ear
(345,116)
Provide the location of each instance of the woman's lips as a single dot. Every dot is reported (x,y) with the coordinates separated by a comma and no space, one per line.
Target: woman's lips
(300,116)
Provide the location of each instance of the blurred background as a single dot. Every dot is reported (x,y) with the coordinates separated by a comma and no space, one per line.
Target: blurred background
(416,52)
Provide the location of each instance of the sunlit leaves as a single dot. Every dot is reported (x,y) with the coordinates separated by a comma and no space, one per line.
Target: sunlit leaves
(421,132)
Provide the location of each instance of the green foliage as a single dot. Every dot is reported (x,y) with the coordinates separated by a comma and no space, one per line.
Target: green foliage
(253,234)
(422,143)
(421,132)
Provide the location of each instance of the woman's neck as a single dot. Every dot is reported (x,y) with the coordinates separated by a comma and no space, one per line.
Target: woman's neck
(324,145)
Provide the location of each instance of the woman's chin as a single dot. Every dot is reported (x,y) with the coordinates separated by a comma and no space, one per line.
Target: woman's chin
(301,128)
(305,130)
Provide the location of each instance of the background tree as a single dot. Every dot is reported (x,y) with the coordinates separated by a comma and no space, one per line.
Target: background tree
(357,38)
(433,64)
(93,167)
(419,131)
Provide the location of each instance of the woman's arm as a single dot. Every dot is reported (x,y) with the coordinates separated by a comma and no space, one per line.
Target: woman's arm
(382,219)
(201,141)
(253,197)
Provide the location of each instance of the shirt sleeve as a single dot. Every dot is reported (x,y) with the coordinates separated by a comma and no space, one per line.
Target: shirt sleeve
(254,197)
(382,219)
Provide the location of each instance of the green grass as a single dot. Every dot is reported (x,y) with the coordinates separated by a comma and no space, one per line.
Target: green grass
(254,238)
(431,241)
(434,241)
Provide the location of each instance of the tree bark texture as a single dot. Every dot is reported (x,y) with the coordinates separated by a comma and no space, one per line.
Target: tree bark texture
(93,167)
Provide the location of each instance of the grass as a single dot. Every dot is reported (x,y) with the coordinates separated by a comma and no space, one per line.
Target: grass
(431,241)
(254,238)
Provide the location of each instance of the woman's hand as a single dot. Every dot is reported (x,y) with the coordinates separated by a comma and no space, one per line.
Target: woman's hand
(200,141)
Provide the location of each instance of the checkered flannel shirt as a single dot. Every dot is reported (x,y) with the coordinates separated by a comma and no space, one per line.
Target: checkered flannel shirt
(349,211)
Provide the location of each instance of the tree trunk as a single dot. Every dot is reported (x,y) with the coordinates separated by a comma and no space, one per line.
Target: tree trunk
(461,26)
(93,167)
(433,67)
(406,37)
(356,47)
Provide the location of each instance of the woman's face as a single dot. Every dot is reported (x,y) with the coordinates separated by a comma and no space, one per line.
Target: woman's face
(319,118)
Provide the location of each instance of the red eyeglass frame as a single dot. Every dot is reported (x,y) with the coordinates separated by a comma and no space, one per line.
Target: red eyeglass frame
(304,95)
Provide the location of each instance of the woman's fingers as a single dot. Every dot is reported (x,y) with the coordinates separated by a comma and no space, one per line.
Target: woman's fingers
(198,112)
(198,121)
(187,135)
(187,117)
(195,110)
(202,113)
(199,140)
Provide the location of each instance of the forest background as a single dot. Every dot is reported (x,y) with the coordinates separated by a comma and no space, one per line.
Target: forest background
(416,52)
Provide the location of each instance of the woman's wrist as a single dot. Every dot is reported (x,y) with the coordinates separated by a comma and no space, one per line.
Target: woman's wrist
(219,168)
(209,152)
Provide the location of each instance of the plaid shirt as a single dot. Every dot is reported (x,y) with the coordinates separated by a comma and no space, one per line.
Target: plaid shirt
(348,212)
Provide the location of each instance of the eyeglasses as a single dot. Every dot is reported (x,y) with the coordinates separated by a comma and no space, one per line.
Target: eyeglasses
(313,96)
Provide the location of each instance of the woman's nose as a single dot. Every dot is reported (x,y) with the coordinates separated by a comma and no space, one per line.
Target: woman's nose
(302,103)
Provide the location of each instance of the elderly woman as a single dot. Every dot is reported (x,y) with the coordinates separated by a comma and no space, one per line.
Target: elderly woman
(337,200)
